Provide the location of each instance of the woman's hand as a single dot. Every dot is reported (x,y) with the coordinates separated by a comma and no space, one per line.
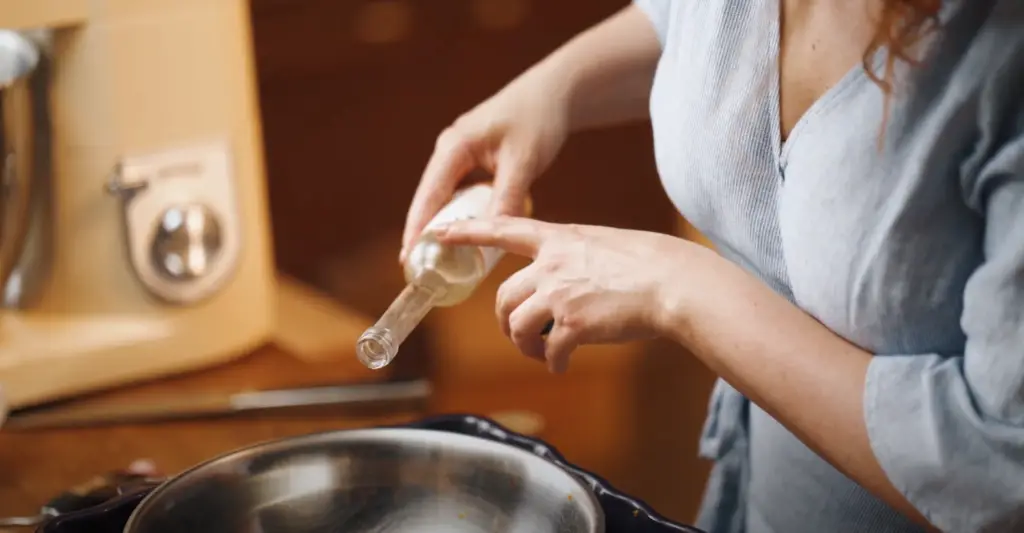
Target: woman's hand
(515,135)
(603,285)
(597,284)
(600,77)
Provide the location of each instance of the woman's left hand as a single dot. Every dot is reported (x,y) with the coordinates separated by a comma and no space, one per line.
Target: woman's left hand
(597,284)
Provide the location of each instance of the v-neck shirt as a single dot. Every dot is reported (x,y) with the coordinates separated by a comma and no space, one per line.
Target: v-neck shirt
(912,249)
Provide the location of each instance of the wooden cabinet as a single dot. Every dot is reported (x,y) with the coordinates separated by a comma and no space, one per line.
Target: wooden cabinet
(353,94)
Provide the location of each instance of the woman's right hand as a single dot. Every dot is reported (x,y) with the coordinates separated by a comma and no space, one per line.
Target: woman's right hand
(514,136)
(601,77)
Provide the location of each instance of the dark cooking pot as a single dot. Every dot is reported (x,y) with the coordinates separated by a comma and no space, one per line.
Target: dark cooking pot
(450,474)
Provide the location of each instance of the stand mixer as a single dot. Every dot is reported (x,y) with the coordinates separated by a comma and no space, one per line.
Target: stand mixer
(134,228)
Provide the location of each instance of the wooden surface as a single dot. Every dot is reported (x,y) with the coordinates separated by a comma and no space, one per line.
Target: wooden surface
(597,420)
(34,465)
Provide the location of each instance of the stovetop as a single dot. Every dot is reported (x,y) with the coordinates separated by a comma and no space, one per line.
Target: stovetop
(105,504)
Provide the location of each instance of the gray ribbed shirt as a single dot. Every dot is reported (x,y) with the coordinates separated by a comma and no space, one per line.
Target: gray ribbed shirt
(914,251)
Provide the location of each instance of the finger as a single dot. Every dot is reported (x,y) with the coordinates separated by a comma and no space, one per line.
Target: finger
(512,293)
(520,236)
(559,346)
(526,324)
(511,184)
(449,163)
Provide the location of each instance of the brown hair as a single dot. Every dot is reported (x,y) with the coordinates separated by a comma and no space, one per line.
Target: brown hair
(902,24)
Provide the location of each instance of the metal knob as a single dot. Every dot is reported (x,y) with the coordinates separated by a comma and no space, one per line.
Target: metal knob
(187,242)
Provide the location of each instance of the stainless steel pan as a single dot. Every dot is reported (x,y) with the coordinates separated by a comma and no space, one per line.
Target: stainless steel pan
(387,480)
(452,473)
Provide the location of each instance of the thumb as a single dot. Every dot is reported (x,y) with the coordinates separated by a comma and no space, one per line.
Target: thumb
(511,185)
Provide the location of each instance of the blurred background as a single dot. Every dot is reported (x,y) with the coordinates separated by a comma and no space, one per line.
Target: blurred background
(352,95)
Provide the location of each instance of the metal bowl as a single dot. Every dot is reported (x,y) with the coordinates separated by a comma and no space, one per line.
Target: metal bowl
(386,480)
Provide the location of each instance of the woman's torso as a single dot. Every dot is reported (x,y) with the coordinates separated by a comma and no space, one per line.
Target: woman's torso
(876,243)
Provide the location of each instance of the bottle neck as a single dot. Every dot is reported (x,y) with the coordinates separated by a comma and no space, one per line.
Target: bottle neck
(378,346)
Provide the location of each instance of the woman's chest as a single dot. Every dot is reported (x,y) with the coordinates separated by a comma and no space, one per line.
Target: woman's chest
(876,244)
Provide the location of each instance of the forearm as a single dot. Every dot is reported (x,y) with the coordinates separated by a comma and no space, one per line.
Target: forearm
(802,374)
(604,73)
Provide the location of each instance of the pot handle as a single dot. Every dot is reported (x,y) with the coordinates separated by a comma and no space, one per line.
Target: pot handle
(97,501)
(111,515)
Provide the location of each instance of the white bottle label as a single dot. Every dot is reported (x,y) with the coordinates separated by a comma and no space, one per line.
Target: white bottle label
(467,204)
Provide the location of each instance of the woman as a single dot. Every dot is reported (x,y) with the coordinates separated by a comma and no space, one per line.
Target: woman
(860,169)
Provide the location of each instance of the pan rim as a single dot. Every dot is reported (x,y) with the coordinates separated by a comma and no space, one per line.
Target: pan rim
(420,435)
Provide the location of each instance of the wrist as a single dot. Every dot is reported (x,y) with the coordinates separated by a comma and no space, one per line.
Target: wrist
(688,294)
(556,79)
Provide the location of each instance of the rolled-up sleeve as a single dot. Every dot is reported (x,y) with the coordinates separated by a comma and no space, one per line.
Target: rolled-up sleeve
(659,13)
(948,429)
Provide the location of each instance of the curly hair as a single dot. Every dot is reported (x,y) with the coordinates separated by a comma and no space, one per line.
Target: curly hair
(902,24)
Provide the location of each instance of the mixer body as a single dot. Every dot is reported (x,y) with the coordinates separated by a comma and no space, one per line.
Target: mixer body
(134,226)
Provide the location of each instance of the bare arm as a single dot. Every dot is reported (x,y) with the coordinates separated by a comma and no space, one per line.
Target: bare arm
(599,78)
(604,73)
(804,375)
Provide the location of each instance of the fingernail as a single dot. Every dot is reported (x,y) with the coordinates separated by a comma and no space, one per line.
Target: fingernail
(558,366)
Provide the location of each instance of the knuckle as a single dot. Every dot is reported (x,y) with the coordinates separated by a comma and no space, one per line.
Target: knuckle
(549,292)
(516,328)
(461,121)
(519,338)
(449,139)
(549,265)
(500,295)
(499,230)
(504,308)
(574,233)
(560,295)
(551,256)
(569,321)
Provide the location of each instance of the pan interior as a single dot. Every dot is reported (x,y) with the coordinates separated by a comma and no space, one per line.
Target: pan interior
(373,481)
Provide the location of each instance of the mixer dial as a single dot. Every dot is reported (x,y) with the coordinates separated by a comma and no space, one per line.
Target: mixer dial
(182,222)
(187,242)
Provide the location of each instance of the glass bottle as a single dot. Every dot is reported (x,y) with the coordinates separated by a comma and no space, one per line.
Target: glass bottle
(436,276)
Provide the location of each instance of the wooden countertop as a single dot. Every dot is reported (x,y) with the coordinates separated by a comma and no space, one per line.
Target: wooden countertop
(313,347)
(629,414)
(35,465)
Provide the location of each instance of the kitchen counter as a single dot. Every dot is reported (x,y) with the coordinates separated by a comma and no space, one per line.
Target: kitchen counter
(622,414)
(37,464)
